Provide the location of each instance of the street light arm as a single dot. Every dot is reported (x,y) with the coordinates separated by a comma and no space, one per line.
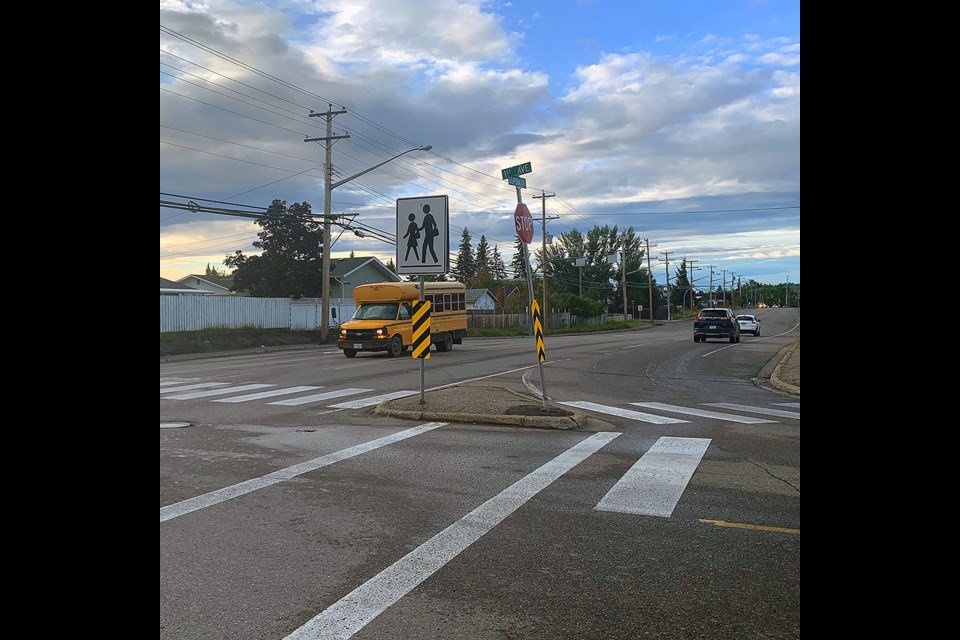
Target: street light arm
(357,175)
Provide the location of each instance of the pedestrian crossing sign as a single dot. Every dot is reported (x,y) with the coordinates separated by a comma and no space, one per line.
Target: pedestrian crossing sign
(423,236)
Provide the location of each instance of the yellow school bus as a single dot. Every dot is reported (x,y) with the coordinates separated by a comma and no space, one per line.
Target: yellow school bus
(383,320)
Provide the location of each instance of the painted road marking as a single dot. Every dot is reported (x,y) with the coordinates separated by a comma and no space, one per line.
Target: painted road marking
(701,413)
(166,382)
(761,410)
(191,387)
(366,402)
(268,394)
(317,397)
(754,527)
(794,405)
(358,608)
(624,413)
(654,484)
(222,495)
(218,392)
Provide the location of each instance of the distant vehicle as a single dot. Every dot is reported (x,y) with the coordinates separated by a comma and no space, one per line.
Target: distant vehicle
(716,323)
(749,324)
(384,317)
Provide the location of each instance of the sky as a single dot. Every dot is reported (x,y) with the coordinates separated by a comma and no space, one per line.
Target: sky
(679,118)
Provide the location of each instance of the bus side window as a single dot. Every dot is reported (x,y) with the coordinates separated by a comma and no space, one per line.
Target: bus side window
(438,303)
(460,303)
(405,311)
(447,304)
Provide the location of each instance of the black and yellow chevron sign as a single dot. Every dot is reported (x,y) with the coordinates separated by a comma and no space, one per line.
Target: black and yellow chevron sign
(538,329)
(421,330)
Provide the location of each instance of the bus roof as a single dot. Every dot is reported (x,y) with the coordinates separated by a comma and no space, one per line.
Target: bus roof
(399,291)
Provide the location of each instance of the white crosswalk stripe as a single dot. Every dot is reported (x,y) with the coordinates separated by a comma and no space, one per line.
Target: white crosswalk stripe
(793,405)
(654,484)
(191,387)
(623,413)
(319,397)
(700,412)
(217,392)
(267,394)
(764,411)
(372,400)
(166,382)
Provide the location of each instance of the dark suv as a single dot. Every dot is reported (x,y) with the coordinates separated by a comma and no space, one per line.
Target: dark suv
(716,323)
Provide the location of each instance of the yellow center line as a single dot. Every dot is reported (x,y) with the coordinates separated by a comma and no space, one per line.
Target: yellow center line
(754,527)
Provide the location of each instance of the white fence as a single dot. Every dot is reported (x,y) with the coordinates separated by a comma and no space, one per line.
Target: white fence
(485,319)
(193,313)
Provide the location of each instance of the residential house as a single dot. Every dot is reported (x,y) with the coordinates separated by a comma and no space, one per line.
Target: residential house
(347,273)
(217,285)
(481,299)
(171,288)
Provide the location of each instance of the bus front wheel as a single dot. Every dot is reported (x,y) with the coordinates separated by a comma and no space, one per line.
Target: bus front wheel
(396,347)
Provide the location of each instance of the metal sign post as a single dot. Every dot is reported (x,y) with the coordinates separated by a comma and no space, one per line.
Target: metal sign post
(423,229)
(420,348)
(522,220)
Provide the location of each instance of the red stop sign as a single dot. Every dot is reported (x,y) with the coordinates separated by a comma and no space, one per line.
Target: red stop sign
(524,222)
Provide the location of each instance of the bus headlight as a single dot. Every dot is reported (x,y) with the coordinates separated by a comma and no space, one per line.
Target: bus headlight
(343,333)
(381,333)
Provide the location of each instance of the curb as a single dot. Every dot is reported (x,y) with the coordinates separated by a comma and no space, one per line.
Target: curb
(575,421)
(775,376)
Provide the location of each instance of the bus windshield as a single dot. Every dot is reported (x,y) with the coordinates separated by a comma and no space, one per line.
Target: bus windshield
(379,311)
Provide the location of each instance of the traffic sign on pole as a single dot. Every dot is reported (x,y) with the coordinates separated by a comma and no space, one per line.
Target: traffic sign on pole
(538,330)
(524,223)
(421,330)
(517,170)
(517,182)
(423,235)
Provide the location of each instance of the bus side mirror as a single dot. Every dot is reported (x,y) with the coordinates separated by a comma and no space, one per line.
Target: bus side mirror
(333,312)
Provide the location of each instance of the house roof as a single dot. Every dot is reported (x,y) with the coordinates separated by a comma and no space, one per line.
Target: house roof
(226,282)
(342,267)
(475,294)
(170,284)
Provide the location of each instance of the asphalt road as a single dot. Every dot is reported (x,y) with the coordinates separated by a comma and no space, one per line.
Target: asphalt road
(679,519)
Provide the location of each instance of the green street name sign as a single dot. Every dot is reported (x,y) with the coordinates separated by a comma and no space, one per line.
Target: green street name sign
(518,170)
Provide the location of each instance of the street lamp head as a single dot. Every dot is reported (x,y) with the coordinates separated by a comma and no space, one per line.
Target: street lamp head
(426,148)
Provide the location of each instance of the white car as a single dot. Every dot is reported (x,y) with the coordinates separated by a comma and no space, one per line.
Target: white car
(749,324)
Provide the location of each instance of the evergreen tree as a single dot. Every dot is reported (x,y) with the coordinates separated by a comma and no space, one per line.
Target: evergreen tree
(466,267)
(518,264)
(213,271)
(390,265)
(496,265)
(482,256)
(680,293)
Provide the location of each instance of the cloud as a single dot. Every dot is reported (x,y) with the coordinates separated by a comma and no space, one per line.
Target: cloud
(716,123)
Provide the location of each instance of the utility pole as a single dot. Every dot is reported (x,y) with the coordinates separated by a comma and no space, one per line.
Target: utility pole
(327,196)
(786,297)
(666,255)
(723,287)
(649,281)
(711,284)
(543,223)
(623,271)
(690,268)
